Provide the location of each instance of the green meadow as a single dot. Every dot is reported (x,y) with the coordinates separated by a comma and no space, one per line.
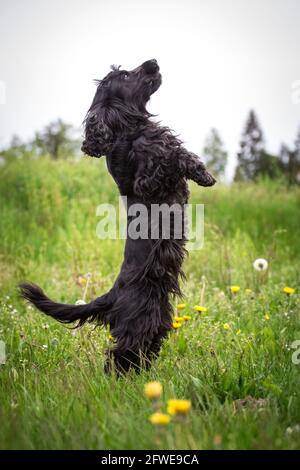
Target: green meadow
(236,361)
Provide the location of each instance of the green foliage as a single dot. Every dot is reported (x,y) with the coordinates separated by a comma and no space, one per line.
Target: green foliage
(290,161)
(53,392)
(253,160)
(56,140)
(214,154)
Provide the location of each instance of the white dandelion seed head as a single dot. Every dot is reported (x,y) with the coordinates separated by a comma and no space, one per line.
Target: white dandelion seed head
(80,302)
(260,264)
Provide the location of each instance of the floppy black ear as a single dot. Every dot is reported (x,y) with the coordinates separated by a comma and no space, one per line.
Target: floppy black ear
(98,137)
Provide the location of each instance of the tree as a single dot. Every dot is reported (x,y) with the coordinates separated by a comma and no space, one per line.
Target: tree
(297,157)
(215,155)
(252,151)
(289,161)
(253,160)
(56,140)
(16,149)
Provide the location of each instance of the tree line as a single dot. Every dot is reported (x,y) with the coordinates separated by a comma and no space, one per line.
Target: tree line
(253,160)
(61,140)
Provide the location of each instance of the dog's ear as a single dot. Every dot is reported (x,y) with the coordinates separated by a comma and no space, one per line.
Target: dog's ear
(98,137)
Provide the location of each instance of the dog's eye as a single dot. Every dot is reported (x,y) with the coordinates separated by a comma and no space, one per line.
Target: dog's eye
(125,76)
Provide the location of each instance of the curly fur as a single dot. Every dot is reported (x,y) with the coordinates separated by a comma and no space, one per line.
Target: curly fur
(150,165)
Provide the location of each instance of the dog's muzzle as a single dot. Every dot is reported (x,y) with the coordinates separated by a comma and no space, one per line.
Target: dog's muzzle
(150,67)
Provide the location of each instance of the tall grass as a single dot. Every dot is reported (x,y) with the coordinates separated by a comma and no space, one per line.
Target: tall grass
(53,393)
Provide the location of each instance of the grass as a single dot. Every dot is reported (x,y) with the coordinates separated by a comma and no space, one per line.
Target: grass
(53,393)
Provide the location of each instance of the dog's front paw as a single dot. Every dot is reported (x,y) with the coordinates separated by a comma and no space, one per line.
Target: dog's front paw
(206,179)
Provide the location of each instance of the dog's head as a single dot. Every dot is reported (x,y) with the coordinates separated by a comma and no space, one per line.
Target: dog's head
(119,104)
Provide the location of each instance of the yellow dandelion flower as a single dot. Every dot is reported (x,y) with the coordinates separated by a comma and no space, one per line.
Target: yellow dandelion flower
(179,319)
(176,324)
(235,289)
(226,326)
(267,317)
(187,317)
(160,419)
(181,306)
(81,280)
(288,290)
(179,406)
(217,440)
(153,389)
(199,308)
(238,332)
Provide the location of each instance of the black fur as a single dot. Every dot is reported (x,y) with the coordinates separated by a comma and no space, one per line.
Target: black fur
(149,165)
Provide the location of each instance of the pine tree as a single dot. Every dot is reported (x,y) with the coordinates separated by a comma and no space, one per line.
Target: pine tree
(252,155)
(290,161)
(297,157)
(215,155)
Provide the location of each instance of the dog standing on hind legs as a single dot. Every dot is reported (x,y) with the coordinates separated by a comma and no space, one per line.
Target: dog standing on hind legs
(150,166)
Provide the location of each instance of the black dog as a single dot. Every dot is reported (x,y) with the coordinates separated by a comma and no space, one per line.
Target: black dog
(150,166)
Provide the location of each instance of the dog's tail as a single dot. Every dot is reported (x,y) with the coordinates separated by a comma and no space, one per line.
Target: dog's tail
(66,313)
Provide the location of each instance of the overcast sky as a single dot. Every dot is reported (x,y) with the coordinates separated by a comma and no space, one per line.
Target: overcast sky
(218,58)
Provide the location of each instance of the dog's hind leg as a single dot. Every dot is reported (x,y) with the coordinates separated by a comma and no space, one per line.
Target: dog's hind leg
(122,362)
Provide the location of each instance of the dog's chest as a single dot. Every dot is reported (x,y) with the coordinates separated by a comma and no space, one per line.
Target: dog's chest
(122,172)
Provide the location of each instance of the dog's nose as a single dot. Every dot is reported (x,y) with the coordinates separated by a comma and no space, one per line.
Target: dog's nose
(151,66)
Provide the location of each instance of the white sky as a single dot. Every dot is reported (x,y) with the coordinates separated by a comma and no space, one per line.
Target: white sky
(218,58)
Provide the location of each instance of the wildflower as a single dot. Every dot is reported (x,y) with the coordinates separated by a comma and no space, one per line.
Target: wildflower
(198,308)
(217,440)
(235,289)
(176,325)
(187,317)
(80,302)
(267,317)
(160,419)
(179,319)
(81,280)
(238,332)
(248,291)
(226,326)
(179,406)
(153,390)
(260,264)
(45,346)
(288,290)
(45,326)
(181,306)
